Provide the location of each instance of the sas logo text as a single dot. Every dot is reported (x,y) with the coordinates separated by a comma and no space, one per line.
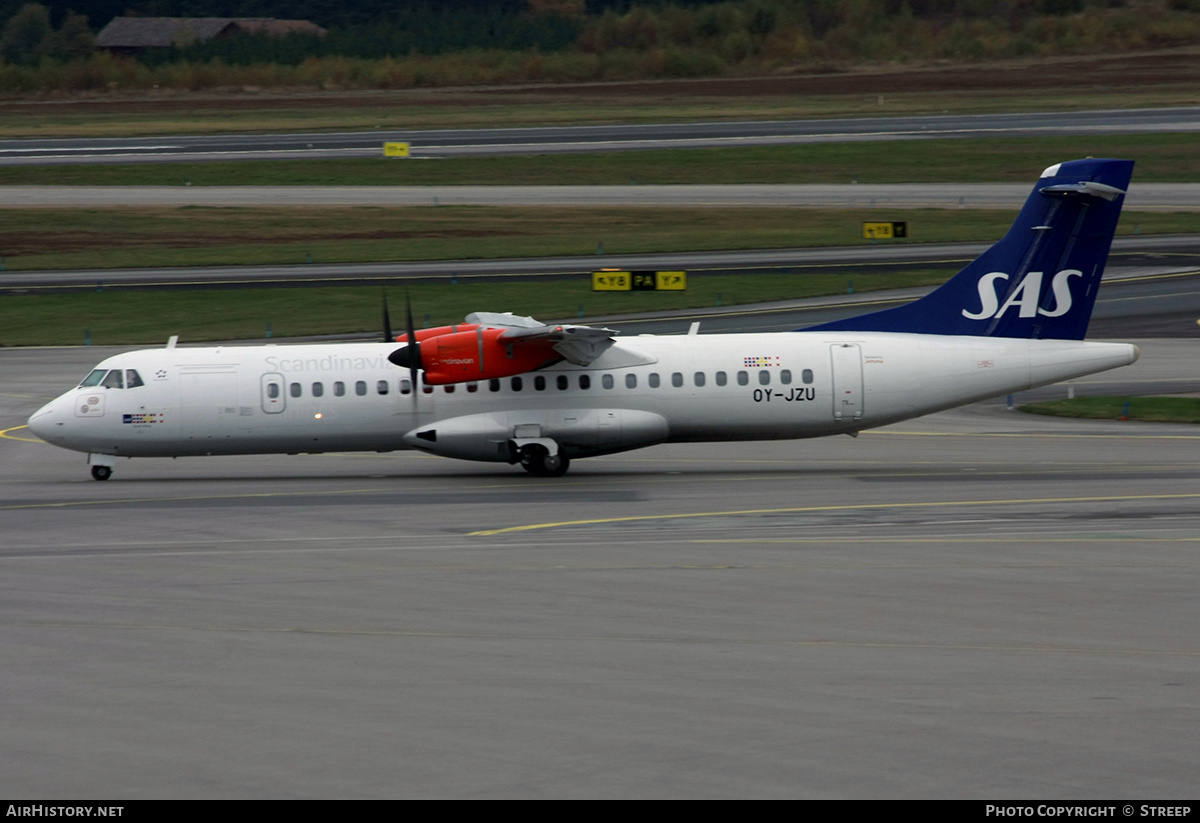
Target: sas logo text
(1025,298)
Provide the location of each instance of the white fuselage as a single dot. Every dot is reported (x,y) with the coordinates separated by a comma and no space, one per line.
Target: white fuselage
(644,390)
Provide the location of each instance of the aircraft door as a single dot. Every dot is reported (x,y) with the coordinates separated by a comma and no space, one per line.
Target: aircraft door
(274,398)
(846,360)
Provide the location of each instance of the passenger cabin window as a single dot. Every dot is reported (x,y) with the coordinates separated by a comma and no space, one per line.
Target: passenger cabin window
(494,384)
(563,382)
(318,389)
(721,378)
(539,383)
(585,382)
(607,381)
(425,387)
(133,379)
(296,389)
(114,380)
(677,379)
(653,380)
(631,381)
(449,388)
(743,378)
(472,388)
(785,377)
(273,391)
(360,388)
(699,378)
(517,384)
(381,386)
(339,389)
(764,377)
(806,376)
(405,386)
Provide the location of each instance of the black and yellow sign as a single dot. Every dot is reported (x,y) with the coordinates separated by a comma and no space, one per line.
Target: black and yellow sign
(613,280)
(884,231)
(395,149)
(670,280)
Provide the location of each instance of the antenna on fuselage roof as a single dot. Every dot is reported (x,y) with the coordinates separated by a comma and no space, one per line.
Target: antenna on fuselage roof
(172,340)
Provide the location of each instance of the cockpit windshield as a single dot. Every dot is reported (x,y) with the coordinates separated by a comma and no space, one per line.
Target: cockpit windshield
(113,379)
(94,378)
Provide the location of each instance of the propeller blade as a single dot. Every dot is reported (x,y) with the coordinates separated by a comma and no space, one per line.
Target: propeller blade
(413,350)
(388,337)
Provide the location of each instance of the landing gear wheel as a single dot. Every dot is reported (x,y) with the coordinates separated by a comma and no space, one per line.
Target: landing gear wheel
(101,472)
(535,460)
(555,466)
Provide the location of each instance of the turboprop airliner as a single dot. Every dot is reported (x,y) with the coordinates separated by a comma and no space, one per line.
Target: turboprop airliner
(507,389)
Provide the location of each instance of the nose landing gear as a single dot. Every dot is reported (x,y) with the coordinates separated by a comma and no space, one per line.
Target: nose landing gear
(102,465)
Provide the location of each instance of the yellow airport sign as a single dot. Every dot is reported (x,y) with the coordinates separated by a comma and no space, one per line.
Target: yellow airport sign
(395,149)
(615,280)
(884,231)
(611,280)
(671,280)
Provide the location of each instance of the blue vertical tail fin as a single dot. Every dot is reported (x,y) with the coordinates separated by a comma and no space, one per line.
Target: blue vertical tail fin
(1040,280)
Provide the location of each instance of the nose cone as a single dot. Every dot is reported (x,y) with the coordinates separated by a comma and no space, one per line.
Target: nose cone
(46,420)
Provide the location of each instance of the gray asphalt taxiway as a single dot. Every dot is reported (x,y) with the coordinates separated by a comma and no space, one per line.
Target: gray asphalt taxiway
(980,603)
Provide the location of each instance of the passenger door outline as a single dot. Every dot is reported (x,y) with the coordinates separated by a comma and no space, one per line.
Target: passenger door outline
(847,365)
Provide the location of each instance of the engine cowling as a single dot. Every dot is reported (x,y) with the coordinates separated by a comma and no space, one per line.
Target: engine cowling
(437,331)
(480,354)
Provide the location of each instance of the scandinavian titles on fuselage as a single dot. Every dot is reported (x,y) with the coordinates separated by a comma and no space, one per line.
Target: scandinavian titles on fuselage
(326,364)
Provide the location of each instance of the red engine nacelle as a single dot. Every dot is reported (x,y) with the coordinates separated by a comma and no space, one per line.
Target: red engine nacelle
(438,331)
(480,354)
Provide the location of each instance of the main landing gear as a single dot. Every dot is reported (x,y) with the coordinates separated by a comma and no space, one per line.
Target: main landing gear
(536,459)
(101,472)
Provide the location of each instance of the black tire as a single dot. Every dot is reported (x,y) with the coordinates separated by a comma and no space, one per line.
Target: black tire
(101,472)
(536,461)
(555,466)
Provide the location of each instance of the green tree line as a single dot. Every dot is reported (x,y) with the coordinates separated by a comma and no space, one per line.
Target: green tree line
(377,44)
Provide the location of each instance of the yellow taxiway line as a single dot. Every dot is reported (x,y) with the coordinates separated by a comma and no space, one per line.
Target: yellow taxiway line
(848,507)
(4,433)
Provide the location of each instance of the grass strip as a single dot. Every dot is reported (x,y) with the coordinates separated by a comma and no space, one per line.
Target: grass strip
(1161,158)
(49,239)
(174,113)
(1128,407)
